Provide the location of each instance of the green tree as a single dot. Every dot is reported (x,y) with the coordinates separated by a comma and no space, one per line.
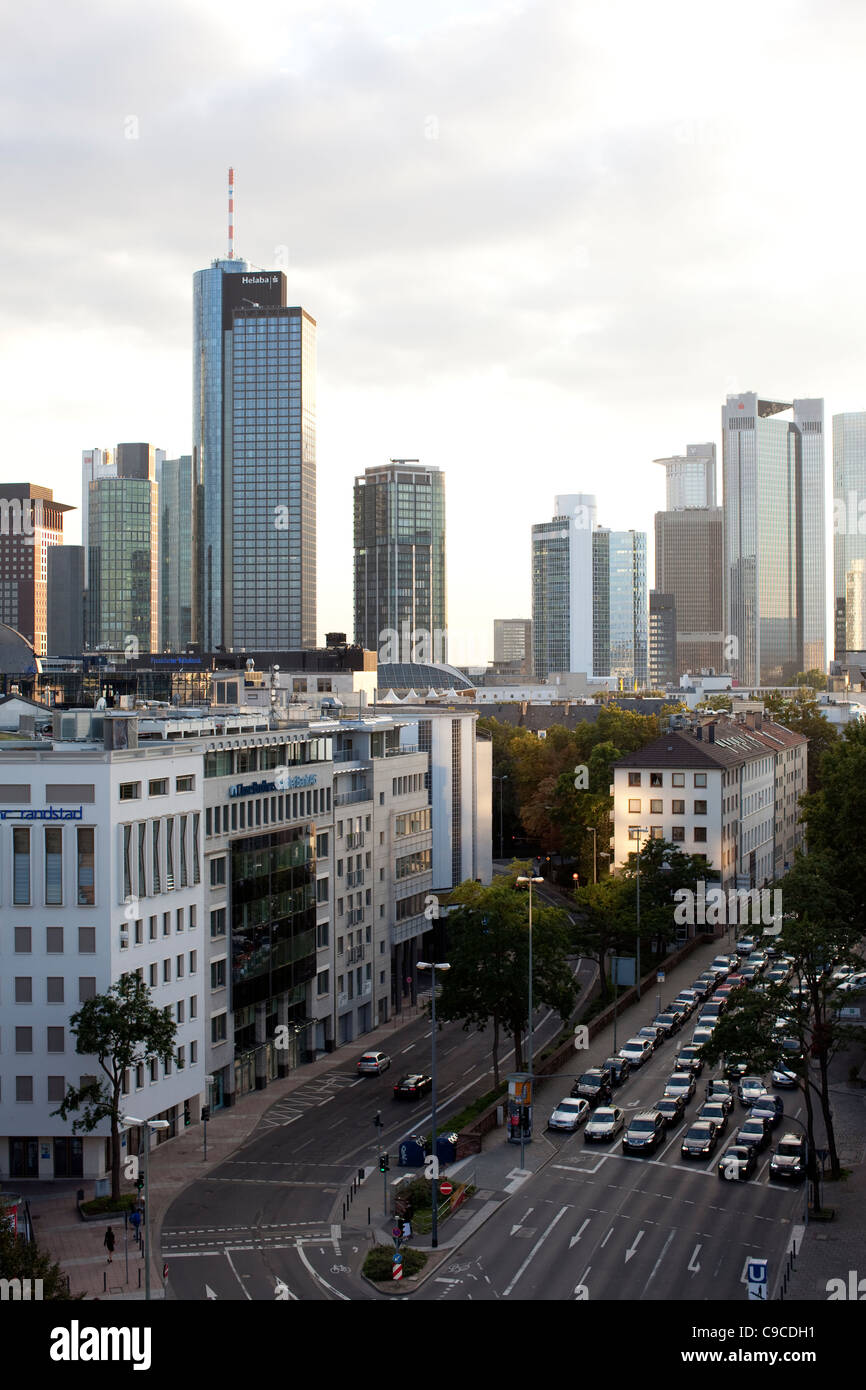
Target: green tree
(120,1028)
(835,814)
(22,1259)
(488,951)
(814,679)
(801,713)
(605,924)
(718,701)
(664,871)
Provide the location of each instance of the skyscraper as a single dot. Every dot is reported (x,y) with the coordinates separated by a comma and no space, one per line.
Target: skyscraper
(512,644)
(620,617)
(662,640)
(849,522)
(688,559)
(123,554)
(400,578)
(562,587)
(177,508)
(773,490)
(31,523)
(254,454)
(95,463)
(65,624)
(690,478)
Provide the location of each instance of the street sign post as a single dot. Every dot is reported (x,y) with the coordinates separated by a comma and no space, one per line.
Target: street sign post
(445,1187)
(756,1274)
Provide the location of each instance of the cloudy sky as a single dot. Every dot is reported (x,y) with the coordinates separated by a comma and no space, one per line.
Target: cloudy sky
(542,240)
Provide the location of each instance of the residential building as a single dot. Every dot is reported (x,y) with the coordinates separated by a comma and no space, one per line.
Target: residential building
(619,607)
(31,524)
(562,587)
(849,527)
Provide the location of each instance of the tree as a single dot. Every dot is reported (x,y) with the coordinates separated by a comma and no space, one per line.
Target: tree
(121,1028)
(835,813)
(664,871)
(22,1259)
(717,701)
(814,679)
(606,923)
(488,951)
(801,713)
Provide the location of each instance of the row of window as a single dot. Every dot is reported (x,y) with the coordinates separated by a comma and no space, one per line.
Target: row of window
(23,847)
(402,786)
(55,989)
(246,814)
(656,779)
(677,835)
(157,786)
(54,941)
(657,807)
(179,918)
(168,848)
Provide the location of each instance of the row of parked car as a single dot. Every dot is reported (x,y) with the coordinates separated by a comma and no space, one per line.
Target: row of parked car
(591,1101)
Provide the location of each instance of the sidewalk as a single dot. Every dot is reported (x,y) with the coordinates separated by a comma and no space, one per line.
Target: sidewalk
(77,1245)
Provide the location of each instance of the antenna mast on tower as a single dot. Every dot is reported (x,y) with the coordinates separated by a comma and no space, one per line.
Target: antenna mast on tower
(231,214)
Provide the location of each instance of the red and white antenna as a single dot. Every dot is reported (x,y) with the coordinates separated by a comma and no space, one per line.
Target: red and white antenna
(231,214)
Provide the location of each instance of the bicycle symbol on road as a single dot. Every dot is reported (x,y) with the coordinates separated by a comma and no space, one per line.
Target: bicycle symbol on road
(340,1269)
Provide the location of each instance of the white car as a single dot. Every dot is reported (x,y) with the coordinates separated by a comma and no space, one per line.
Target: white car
(637,1051)
(373,1063)
(702,1035)
(569,1114)
(682,1083)
(854,983)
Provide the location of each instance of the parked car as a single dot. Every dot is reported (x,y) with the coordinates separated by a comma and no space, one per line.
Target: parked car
(738,1162)
(701,1035)
(736,1068)
(700,1141)
(653,1035)
(637,1051)
(569,1114)
(716,1112)
(855,984)
(749,974)
(373,1063)
(754,1131)
(686,1003)
(769,1107)
(669,1023)
(689,1059)
(680,1083)
(745,946)
(594,1085)
(619,1068)
(789,1159)
(713,1011)
(749,1089)
(606,1123)
(721,966)
(784,1079)
(413,1086)
(645,1132)
(671,1108)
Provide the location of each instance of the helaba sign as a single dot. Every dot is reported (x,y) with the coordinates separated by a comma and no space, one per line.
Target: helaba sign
(46,813)
(260,279)
(279,784)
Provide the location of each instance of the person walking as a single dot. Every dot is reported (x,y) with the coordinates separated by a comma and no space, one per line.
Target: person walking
(108,1242)
(135,1219)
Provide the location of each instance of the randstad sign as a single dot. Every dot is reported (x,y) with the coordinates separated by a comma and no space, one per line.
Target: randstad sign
(279,784)
(46,813)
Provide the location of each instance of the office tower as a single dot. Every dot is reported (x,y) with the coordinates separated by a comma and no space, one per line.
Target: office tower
(562,606)
(31,523)
(855,607)
(662,640)
(400,582)
(619,600)
(123,561)
(177,509)
(773,491)
(65,625)
(688,560)
(849,518)
(512,644)
(690,478)
(95,464)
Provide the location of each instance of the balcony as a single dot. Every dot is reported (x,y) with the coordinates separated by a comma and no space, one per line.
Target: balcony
(355,954)
(355,840)
(355,879)
(355,916)
(350,755)
(402,750)
(350,798)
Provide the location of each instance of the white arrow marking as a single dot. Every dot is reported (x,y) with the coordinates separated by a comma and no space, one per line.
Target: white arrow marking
(283,1292)
(693,1267)
(519,1226)
(634,1245)
(534,1251)
(209,1291)
(575,1239)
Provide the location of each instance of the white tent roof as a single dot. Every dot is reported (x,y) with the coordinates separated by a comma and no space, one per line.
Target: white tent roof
(390,699)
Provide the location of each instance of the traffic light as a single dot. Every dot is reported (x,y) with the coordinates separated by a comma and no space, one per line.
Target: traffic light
(205,1112)
(384,1163)
(140,1183)
(187,1119)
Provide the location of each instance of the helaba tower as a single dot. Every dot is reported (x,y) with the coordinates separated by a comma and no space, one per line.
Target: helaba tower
(254,458)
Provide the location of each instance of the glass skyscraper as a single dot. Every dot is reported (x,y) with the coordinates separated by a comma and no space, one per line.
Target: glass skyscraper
(620,615)
(177,508)
(400,580)
(123,556)
(849,533)
(773,472)
(562,594)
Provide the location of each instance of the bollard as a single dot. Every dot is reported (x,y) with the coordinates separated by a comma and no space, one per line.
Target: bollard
(104,1281)
(139,1278)
(369,1222)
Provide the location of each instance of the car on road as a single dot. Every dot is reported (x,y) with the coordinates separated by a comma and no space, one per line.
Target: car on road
(373,1063)
(594,1085)
(712,1011)
(721,966)
(701,1035)
(619,1068)
(569,1114)
(653,1034)
(738,1163)
(669,1023)
(769,1107)
(779,975)
(684,1004)
(413,1086)
(789,1159)
(716,1112)
(755,1132)
(745,946)
(606,1123)
(705,984)
(689,1059)
(749,1089)
(644,1133)
(759,959)
(783,1079)
(721,1091)
(680,1083)
(855,984)
(671,1108)
(637,1051)
(700,1141)
(735,1069)
(749,974)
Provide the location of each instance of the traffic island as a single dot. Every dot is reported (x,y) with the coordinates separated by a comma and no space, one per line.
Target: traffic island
(381,1262)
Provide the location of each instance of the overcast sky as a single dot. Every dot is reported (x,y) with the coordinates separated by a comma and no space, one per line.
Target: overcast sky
(542,241)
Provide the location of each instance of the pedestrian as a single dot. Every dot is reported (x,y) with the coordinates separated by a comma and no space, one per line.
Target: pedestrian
(135,1218)
(108,1242)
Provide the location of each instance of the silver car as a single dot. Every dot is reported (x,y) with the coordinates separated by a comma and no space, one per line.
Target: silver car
(569,1114)
(606,1123)
(637,1051)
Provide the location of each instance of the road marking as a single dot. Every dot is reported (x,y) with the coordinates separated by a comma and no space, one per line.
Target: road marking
(519,1226)
(247,1293)
(518,1177)
(634,1245)
(318,1277)
(796,1240)
(209,1291)
(657,1263)
(575,1239)
(607,1238)
(692,1267)
(534,1251)
(407,1049)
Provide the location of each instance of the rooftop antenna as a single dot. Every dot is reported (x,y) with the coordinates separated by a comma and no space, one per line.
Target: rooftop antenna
(231,214)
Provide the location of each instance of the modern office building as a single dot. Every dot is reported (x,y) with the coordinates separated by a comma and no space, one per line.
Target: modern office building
(688,566)
(31,524)
(619,607)
(178,502)
(562,587)
(65,625)
(401,599)
(122,604)
(512,645)
(662,640)
(773,498)
(690,478)
(849,522)
(95,464)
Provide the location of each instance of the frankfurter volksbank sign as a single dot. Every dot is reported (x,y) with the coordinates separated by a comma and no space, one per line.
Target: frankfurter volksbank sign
(281,782)
(46,813)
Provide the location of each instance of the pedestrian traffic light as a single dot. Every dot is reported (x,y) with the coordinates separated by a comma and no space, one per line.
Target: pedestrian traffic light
(205,1112)
(187,1119)
(384,1163)
(140,1183)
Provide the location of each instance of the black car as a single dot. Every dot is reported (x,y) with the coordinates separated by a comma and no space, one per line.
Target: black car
(413,1086)
(645,1132)
(789,1160)
(769,1107)
(738,1162)
(668,1022)
(689,1059)
(755,1132)
(619,1068)
(700,1141)
(721,1091)
(671,1108)
(735,1070)
(594,1086)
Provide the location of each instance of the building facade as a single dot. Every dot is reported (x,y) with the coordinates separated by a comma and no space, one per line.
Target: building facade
(690,478)
(512,645)
(122,605)
(562,587)
(689,567)
(31,524)
(849,526)
(178,506)
(95,464)
(65,621)
(619,605)
(662,640)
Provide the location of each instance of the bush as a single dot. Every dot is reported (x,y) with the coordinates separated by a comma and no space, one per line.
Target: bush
(379,1263)
(125,1202)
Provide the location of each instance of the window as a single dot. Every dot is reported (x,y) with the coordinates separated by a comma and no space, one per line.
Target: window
(657,832)
(86,941)
(193,1053)
(656,808)
(678,779)
(323,934)
(23,989)
(178,968)
(322,845)
(53,866)
(218,974)
(321,890)
(23,1039)
(158,786)
(181,1053)
(323,982)
(154,975)
(700,779)
(166,924)
(700,834)
(339,945)
(130,791)
(634,832)
(193,1006)
(56,1039)
(217,872)
(86,880)
(22,941)
(700,808)
(166,971)
(634,779)
(54,941)
(179,921)
(656,779)
(24,1088)
(185,784)
(56,1088)
(54,989)
(678,808)
(193,962)
(218,1028)
(634,805)
(154,1071)
(218,922)
(21,867)
(179,1010)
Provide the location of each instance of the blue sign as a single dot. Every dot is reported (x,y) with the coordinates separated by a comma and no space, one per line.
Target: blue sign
(47,813)
(285,784)
(398,1258)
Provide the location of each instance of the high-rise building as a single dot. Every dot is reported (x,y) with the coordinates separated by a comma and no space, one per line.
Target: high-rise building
(688,560)
(31,523)
(401,601)
(95,464)
(177,508)
(662,640)
(562,587)
(849,520)
(773,491)
(690,478)
(619,605)
(512,644)
(65,623)
(123,554)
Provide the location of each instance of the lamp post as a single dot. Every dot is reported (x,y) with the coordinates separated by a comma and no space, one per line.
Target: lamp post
(524,878)
(500,780)
(641,830)
(592,830)
(433,966)
(148,1125)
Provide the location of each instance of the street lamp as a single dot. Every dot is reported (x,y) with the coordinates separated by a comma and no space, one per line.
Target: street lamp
(524,878)
(500,779)
(640,830)
(592,830)
(433,966)
(156,1125)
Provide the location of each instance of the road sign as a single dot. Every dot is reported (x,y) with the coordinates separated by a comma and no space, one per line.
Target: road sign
(660,977)
(398,1258)
(823,1154)
(446,1188)
(397,1272)
(756,1275)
